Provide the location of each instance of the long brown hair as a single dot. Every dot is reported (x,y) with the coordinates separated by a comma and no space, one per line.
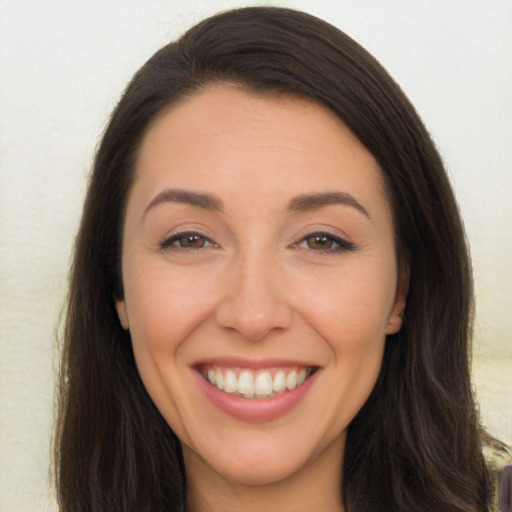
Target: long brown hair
(416,443)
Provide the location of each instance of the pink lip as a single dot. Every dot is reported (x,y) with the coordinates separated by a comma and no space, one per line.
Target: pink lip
(255,410)
(236,362)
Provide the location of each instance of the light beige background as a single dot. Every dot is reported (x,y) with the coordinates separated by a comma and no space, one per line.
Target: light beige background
(63,65)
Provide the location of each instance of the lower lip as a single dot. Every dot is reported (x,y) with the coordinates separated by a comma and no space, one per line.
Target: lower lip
(256,410)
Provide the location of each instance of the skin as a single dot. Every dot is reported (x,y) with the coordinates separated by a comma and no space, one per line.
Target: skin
(256,285)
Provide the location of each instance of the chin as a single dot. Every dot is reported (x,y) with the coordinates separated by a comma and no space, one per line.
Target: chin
(247,472)
(263,458)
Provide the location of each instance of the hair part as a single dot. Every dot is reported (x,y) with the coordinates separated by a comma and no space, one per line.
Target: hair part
(415,444)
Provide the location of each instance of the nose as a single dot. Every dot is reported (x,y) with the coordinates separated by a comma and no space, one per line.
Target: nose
(255,302)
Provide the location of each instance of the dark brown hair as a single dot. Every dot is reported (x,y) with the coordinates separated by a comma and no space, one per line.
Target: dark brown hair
(416,443)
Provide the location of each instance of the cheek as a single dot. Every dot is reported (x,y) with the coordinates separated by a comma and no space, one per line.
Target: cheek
(164,307)
(165,304)
(351,308)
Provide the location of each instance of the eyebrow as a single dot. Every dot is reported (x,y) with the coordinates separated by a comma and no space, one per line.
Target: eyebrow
(200,199)
(301,203)
(307,202)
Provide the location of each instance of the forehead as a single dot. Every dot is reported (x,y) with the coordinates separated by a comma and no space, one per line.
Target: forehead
(227,139)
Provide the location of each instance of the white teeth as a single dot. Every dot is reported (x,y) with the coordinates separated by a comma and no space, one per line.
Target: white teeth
(230,382)
(246,384)
(279,384)
(263,384)
(219,379)
(301,376)
(291,380)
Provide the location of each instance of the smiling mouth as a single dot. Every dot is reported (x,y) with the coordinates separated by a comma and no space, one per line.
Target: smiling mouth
(256,384)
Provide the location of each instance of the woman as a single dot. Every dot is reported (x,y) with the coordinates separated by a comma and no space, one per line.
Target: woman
(271,299)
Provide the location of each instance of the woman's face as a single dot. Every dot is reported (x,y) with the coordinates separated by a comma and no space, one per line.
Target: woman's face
(260,281)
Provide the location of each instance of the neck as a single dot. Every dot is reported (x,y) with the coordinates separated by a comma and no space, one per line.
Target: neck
(317,486)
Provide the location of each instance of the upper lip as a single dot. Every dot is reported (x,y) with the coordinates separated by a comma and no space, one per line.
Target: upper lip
(255,364)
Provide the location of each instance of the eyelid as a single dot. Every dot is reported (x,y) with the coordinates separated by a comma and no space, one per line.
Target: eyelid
(169,239)
(342,244)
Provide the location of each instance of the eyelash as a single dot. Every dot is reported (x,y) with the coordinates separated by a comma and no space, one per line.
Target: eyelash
(337,243)
(172,241)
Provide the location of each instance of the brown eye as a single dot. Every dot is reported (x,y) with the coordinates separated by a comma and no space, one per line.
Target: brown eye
(319,242)
(187,241)
(325,243)
(192,241)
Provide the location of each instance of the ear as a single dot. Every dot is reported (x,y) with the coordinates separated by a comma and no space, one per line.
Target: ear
(396,316)
(120,305)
